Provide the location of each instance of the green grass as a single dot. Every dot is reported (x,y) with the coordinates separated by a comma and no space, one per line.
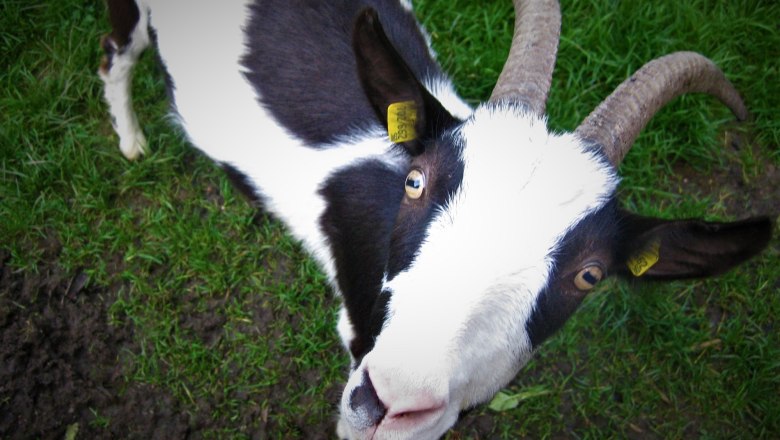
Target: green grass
(181,247)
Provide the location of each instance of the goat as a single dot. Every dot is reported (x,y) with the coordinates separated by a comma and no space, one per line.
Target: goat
(458,238)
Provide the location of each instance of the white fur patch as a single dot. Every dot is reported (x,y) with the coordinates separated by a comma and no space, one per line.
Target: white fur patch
(444,91)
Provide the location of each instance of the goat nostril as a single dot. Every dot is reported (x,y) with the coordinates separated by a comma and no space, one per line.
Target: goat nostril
(365,401)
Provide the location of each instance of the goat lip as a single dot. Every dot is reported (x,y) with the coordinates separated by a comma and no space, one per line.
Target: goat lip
(413,419)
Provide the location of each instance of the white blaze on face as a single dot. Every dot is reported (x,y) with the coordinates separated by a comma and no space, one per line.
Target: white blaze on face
(456,320)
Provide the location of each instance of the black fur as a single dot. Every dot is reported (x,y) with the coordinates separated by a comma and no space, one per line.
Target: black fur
(300,60)
(612,237)
(593,239)
(123,16)
(373,230)
(307,62)
(444,174)
(692,248)
(363,202)
(387,79)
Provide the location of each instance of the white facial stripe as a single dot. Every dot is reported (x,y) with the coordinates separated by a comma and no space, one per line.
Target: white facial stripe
(475,281)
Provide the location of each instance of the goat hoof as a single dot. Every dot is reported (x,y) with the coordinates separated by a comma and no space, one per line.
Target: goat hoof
(133,147)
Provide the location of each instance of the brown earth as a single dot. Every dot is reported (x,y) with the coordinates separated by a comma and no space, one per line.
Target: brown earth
(62,361)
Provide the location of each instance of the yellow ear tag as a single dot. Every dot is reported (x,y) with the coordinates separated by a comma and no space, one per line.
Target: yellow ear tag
(401,120)
(640,263)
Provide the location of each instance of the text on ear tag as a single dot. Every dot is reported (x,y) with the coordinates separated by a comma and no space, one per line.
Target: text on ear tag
(401,120)
(640,263)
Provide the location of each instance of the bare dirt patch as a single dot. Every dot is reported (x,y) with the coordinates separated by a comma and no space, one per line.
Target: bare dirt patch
(743,192)
(64,366)
(61,364)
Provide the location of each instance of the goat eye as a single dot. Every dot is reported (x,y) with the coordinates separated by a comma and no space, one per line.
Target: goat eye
(415,184)
(588,277)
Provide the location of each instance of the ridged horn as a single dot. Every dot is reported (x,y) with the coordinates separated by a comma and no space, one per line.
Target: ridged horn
(617,121)
(527,73)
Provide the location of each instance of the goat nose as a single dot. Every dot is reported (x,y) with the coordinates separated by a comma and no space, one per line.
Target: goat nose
(397,402)
(365,401)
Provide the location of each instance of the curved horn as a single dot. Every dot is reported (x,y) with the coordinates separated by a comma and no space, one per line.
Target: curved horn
(527,73)
(616,122)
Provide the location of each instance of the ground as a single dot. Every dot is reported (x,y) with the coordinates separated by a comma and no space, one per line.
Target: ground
(64,364)
(147,299)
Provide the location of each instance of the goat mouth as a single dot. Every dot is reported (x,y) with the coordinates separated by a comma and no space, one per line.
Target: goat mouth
(413,419)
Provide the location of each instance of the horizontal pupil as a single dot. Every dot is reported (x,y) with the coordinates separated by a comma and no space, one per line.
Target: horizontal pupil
(414,183)
(589,278)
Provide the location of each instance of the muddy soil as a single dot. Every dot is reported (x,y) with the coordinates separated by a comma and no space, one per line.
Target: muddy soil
(61,364)
(64,368)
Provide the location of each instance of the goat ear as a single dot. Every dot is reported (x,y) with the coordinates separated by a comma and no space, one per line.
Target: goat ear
(668,250)
(388,81)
